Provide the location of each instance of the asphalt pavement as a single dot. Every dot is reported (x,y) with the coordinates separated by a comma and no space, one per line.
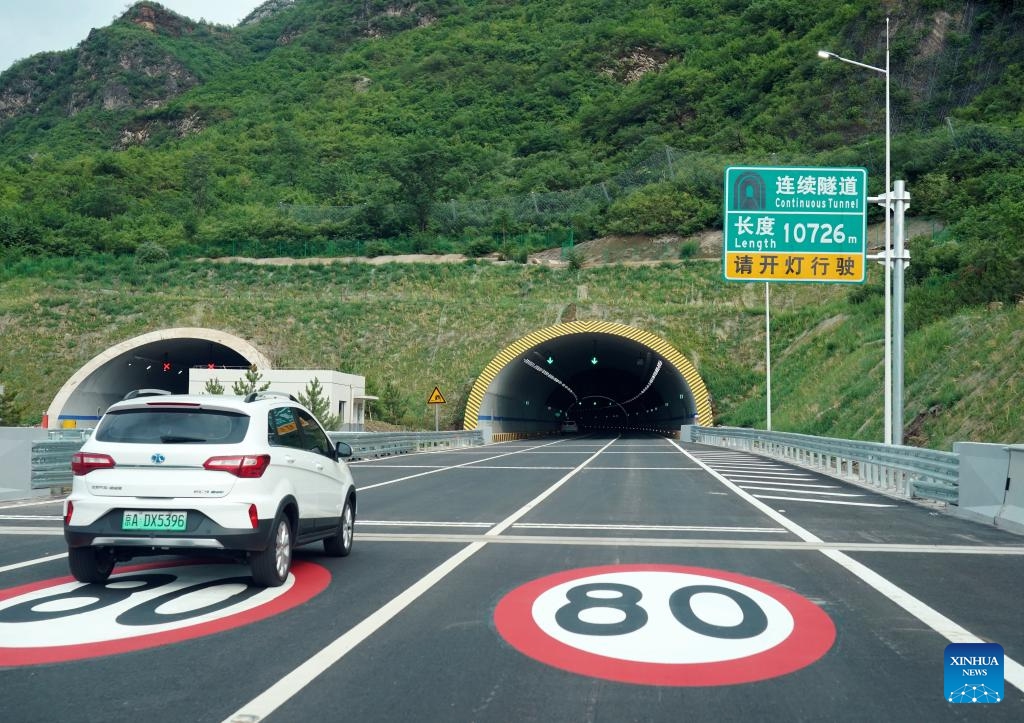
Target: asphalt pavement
(579,578)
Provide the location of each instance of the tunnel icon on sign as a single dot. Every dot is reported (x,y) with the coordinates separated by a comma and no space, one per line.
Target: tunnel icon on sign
(748,192)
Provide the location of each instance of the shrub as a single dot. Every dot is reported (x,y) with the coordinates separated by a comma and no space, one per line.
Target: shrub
(151,252)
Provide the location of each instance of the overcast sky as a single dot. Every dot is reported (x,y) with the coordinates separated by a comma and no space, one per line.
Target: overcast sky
(28,27)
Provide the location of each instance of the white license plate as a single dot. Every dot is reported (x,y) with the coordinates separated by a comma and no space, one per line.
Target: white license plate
(154,521)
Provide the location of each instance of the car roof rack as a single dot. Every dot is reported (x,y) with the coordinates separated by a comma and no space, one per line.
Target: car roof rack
(136,393)
(254,396)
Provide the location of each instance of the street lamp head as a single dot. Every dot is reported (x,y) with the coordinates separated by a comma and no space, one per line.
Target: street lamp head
(825,54)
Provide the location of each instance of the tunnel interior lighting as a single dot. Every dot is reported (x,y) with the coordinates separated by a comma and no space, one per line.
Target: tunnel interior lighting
(530,363)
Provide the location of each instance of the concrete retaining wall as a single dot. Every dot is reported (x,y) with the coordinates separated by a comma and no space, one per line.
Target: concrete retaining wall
(16,462)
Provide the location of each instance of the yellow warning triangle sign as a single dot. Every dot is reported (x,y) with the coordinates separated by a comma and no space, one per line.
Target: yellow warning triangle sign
(435,397)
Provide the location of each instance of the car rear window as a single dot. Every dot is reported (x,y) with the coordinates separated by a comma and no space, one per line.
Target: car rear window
(172,426)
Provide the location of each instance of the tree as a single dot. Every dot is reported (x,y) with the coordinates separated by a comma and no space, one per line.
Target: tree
(213,386)
(251,383)
(320,405)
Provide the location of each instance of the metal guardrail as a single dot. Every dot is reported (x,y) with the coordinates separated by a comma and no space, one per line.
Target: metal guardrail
(366,445)
(909,472)
(51,459)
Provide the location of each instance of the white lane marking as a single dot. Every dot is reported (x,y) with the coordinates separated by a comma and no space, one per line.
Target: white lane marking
(787,485)
(684,542)
(660,528)
(661,452)
(1013,672)
(657,469)
(570,526)
(29,563)
(723,465)
(418,523)
(822,502)
(31,517)
(30,503)
(273,697)
(761,488)
(26,530)
(477,466)
(454,466)
(764,473)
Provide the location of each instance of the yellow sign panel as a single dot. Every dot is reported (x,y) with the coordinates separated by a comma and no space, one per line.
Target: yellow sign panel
(760,266)
(435,397)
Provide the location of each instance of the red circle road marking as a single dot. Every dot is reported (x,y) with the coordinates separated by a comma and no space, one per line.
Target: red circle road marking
(309,580)
(810,637)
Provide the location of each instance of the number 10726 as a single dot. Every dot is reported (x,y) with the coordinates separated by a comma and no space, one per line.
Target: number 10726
(817,233)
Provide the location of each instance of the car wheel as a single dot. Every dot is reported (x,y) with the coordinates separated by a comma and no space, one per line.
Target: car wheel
(340,545)
(90,564)
(270,567)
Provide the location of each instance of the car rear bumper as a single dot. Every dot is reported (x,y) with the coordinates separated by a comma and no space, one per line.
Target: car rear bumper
(201,533)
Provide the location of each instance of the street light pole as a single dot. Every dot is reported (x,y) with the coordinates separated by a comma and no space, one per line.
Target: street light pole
(884,200)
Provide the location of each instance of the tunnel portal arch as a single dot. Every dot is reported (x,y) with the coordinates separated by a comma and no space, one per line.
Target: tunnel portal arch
(139,363)
(603,375)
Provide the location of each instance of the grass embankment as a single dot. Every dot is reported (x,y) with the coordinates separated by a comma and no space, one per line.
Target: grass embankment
(409,327)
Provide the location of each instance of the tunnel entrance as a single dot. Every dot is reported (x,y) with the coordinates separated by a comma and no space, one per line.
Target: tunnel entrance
(160,360)
(600,375)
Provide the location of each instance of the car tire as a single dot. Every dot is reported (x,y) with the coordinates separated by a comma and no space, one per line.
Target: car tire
(340,545)
(270,566)
(91,564)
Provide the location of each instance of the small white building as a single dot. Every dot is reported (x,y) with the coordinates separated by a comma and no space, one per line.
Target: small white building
(346,392)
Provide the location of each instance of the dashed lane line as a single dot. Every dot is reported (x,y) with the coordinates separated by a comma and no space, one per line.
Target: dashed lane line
(457,466)
(1013,671)
(284,689)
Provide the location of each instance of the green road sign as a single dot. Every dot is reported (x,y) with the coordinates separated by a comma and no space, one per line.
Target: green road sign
(795,224)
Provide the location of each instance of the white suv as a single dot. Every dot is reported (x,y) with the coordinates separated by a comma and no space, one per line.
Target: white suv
(249,477)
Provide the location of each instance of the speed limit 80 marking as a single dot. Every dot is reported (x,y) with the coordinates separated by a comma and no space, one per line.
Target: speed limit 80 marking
(139,607)
(664,625)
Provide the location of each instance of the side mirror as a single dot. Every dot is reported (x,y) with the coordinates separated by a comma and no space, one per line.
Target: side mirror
(344,450)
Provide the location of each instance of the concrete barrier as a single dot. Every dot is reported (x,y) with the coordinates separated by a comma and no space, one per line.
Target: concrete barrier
(1011,515)
(16,462)
(992,484)
(982,480)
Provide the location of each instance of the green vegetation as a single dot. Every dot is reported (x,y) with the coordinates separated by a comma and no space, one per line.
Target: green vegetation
(342,128)
(335,128)
(250,383)
(10,409)
(409,327)
(319,404)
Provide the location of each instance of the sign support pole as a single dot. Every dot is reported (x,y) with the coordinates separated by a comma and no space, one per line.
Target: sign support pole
(768,352)
(901,202)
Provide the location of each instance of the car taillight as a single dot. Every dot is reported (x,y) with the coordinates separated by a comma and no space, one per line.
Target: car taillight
(254,518)
(85,462)
(68,512)
(240,465)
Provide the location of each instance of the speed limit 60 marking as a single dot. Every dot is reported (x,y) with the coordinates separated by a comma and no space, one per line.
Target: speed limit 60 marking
(664,625)
(139,607)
